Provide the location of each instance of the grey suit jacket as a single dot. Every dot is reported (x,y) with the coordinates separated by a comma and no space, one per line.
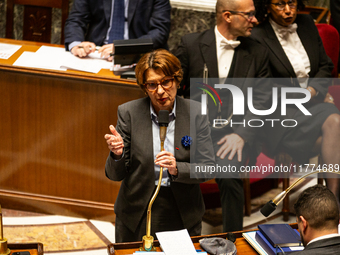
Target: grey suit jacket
(328,246)
(136,169)
(250,61)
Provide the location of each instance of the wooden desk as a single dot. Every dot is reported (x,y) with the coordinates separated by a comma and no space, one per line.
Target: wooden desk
(242,246)
(33,248)
(53,152)
(129,248)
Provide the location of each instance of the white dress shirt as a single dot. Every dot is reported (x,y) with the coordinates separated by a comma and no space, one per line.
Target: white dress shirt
(225,53)
(296,53)
(126,25)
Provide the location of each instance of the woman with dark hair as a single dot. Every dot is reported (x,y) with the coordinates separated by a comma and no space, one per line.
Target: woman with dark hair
(135,155)
(296,52)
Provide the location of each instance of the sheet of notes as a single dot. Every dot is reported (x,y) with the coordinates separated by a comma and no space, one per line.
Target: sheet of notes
(7,50)
(176,242)
(55,58)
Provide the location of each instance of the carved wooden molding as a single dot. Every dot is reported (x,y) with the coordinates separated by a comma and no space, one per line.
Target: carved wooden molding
(37,23)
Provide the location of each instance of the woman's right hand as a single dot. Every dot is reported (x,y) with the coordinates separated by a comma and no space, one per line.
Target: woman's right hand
(115,141)
(329,99)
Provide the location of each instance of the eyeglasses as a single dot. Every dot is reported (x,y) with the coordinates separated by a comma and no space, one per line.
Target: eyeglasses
(247,15)
(166,83)
(282,5)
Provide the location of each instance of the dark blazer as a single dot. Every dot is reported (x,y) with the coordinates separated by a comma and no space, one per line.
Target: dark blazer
(89,20)
(327,246)
(321,64)
(136,170)
(250,61)
(321,67)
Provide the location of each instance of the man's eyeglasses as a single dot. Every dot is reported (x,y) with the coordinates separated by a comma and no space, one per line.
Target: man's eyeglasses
(247,15)
(166,83)
(282,5)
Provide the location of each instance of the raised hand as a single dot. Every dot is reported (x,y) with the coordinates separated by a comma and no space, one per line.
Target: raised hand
(114,141)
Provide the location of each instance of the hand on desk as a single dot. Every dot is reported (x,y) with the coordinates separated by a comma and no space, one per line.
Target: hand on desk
(106,50)
(114,142)
(85,48)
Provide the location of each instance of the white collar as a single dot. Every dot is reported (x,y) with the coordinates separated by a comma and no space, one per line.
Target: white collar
(323,237)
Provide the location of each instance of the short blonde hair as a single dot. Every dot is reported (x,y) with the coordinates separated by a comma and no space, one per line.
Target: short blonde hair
(158,60)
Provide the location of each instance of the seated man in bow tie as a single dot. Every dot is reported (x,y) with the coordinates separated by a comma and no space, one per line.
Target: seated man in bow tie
(227,52)
(296,52)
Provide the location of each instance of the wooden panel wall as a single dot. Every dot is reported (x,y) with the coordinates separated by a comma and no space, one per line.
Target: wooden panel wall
(53,152)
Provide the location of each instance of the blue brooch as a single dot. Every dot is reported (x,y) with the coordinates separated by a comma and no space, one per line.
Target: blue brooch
(186,141)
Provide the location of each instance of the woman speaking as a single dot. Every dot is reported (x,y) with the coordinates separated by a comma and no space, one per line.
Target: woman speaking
(135,155)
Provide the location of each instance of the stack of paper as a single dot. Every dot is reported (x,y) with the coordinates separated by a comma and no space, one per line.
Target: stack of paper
(54,58)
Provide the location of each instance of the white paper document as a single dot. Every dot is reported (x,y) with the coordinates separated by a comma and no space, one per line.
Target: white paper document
(92,63)
(176,242)
(55,58)
(45,57)
(7,50)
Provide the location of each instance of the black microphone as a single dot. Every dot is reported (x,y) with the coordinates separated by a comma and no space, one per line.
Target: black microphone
(268,208)
(163,121)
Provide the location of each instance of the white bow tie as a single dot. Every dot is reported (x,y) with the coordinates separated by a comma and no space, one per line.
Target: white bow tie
(229,44)
(284,31)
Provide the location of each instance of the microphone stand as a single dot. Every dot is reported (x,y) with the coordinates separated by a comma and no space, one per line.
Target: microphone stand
(270,206)
(148,238)
(3,241)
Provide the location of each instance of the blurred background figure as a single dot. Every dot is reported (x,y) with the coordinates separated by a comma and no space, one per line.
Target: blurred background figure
(296,51)
(92,23)
(227,52)
(335,18)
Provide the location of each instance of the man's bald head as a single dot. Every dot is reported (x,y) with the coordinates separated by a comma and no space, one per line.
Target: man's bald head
(222,5)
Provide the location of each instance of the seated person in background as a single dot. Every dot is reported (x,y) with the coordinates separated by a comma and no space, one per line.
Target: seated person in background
(335,19)
(228,53)
(317,216)
(135,157)
(296,51)
(93,22)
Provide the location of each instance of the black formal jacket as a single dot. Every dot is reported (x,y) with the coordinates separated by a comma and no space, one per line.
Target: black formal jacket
(321,67)
(89,20)
(321,64)
(136,169)
(329,246)
(250,61)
